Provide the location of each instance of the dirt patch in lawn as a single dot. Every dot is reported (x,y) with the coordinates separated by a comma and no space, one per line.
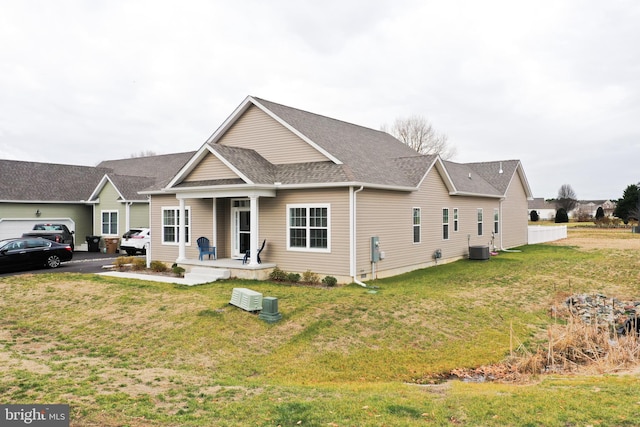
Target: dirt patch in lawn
(593,238)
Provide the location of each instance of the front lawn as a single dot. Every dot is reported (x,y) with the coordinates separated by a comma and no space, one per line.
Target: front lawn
(137,353)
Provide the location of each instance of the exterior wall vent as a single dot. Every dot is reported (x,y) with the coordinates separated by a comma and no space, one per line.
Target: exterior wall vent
(246,299)
(479,252)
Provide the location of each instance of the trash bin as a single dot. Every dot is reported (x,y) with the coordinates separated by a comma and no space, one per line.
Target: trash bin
(111,244)
(94,243)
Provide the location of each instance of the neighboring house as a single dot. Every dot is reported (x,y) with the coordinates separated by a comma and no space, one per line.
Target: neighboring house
(585,208)
(588,208)
(328,196)
(118,205)
(546,210)
(102,200)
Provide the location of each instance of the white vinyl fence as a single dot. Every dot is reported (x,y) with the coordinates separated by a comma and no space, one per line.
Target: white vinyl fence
(546,233)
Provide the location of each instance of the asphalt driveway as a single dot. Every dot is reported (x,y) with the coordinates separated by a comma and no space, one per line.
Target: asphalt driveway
(82,262)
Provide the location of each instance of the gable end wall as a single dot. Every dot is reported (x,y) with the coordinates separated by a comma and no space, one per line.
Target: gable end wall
(258,131)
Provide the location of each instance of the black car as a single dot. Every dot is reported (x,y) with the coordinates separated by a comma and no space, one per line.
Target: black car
(32,252)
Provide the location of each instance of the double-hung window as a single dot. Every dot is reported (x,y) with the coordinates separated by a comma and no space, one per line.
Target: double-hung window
(496,221)
(109,223)
(455,220)
(479,221)
(171,225)
(309,227)
(445,223)
(416,225)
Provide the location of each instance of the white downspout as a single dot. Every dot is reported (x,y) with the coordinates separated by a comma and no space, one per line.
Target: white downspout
(353,233)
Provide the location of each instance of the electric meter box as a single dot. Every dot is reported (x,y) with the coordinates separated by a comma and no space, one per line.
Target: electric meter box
(375,249)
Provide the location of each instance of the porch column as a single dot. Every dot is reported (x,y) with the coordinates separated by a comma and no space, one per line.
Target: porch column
(253,240)
(214,234)
(182,244)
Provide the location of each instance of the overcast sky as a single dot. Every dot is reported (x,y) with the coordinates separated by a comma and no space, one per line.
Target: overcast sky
(555,84)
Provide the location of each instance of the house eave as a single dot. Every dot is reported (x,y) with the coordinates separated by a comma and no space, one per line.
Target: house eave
(50,202)
(470,194)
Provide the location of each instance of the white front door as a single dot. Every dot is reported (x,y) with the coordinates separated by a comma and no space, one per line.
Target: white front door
(241,230)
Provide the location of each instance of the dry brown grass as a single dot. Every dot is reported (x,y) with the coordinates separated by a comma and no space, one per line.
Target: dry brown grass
(590,238)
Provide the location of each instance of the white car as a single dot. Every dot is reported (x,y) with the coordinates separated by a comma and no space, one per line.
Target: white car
(135,240)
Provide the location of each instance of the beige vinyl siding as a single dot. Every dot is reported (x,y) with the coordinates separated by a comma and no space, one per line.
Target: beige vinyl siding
(258,131)
(389,216)
(273,227)
(109,201)
(167,253)
(210,168)
(515,215)
(223,222)
(139,215)
(201,223)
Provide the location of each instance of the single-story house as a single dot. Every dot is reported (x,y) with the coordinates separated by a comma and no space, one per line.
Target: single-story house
(546,211)
(330,197)
(92,201)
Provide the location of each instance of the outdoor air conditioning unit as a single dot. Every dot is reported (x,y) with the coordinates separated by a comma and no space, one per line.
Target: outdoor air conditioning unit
(479,252)
(246,299)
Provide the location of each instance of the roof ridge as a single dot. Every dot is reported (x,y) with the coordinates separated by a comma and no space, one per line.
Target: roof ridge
(318,115)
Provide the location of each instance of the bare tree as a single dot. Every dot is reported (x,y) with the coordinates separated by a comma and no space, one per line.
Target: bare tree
(418,133)
(567,198)
(144,153)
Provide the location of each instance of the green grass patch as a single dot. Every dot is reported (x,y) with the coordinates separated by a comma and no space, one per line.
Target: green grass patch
(137,353)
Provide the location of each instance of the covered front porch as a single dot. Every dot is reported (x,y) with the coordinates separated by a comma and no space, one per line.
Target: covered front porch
(229,219)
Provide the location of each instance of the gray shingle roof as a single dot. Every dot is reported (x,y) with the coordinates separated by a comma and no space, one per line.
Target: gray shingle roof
(161,168)
(363,156)
(370,154)
(49,182)
(31,181)
(467,180)
(490,171)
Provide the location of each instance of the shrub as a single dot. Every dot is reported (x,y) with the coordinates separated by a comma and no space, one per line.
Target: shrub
(122,261)
(310,277)
(158,266)
(534,216)
(177,270)
(277,275)
(293,277)
(138,264)
(562,216)
(330,281)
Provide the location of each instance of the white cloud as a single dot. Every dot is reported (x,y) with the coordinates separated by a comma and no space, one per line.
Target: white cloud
(553,83)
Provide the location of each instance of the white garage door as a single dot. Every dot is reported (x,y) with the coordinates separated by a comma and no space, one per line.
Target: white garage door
(14,227)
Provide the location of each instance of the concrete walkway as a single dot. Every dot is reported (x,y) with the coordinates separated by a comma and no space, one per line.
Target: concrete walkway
(158,278)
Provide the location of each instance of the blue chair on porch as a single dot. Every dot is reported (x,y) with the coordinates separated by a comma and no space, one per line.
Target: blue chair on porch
(248,253)
(205,248)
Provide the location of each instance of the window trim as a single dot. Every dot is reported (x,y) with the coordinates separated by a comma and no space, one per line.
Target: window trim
(456,225)
(480,218)
(416,226)
(188,237)
(110,212)
(308,228)
(445,224)
(496,221)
